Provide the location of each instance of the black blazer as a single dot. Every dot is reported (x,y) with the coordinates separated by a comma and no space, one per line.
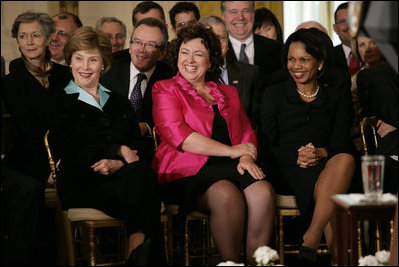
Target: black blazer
(83,134)
(339,57)
(31,107)
(117,79)
(267,55)
(245,78)
(378,96)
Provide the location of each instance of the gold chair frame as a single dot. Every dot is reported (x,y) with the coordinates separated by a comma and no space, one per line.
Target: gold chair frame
(286,206)
(364,123)
(85,222)
(166,218)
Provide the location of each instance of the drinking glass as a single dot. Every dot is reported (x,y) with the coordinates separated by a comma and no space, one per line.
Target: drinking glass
(373,176)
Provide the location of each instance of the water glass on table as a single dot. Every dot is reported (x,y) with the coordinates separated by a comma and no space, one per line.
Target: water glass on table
(373,176)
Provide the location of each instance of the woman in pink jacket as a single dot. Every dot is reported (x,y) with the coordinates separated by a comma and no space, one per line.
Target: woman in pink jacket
(206,159)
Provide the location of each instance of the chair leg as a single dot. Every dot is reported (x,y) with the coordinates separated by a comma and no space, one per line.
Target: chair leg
(68,238)
(186,242)
(281,239)
(170,239)
(92,246)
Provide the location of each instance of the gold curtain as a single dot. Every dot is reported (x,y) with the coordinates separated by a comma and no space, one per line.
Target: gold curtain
(208,8)
(70,6)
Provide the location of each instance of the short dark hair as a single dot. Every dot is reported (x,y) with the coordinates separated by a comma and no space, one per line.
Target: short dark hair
(263,15)
(152,22)
(317,43)
(144,7)
(87,38)
(341,6)
(211,43)
(181,7)
(65,15)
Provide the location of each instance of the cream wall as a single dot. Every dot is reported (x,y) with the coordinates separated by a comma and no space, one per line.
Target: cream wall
(89,13)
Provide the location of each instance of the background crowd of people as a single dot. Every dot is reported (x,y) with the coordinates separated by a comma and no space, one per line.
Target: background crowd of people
(240,114)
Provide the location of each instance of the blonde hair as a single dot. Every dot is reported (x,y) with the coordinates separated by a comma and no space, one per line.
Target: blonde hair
(87,38)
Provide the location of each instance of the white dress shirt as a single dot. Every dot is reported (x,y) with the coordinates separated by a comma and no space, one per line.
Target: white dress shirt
(249,49)
(133,79)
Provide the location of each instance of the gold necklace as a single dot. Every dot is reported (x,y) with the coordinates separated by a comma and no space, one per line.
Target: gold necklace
(309,96)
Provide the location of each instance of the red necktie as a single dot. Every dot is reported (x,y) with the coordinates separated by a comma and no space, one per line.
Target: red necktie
(353,64)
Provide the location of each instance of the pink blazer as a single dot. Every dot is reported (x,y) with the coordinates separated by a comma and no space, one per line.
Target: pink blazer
(179,111)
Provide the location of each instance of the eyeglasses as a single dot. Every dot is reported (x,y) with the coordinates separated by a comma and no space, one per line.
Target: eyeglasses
(150,45)
(182,24)
(341,21)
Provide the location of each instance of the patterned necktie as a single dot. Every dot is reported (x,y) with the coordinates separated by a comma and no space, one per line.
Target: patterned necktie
(353,64)
(243,56)
(136,97)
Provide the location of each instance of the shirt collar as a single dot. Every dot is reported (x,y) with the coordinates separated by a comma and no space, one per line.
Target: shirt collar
(238,43)
(347,50)
(73,88)
(134,72)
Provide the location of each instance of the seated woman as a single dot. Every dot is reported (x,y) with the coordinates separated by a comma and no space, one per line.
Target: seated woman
(305,136)
(98,139)
(206,157)
(377,87)
(27,92)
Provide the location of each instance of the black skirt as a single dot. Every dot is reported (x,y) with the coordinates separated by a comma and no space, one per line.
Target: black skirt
(185,191)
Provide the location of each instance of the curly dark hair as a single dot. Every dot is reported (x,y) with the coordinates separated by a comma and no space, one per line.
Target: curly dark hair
(211,43)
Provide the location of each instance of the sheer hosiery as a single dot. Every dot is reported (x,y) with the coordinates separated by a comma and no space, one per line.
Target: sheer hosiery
(259,198)
(334,179)
(135,240)
(225,203)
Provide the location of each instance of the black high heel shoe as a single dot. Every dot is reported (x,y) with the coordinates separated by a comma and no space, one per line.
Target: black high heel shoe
(140,256)
(307,256)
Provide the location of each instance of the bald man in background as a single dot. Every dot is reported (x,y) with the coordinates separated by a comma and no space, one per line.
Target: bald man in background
(65,25)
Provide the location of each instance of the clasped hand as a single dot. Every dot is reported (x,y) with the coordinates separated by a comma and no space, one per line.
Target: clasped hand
(309,156)
(107,166)
(110,166)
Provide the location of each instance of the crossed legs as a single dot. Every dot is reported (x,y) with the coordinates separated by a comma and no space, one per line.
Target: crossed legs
(334,179)
(231,210)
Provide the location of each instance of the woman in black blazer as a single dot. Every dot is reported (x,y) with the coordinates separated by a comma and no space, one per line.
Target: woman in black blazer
(305,134)
(27,91)
(97,138)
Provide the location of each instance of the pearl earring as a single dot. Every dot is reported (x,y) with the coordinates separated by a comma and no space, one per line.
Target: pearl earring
(102,68)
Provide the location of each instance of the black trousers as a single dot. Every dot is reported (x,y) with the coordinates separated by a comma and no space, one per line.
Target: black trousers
(22,197)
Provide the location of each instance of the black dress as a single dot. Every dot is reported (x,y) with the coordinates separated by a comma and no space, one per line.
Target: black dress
(185,191)
(287,123)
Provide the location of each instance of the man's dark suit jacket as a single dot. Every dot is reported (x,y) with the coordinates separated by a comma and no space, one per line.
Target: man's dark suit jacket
(267,55)
(249,85)
(339,57)
(117,79)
